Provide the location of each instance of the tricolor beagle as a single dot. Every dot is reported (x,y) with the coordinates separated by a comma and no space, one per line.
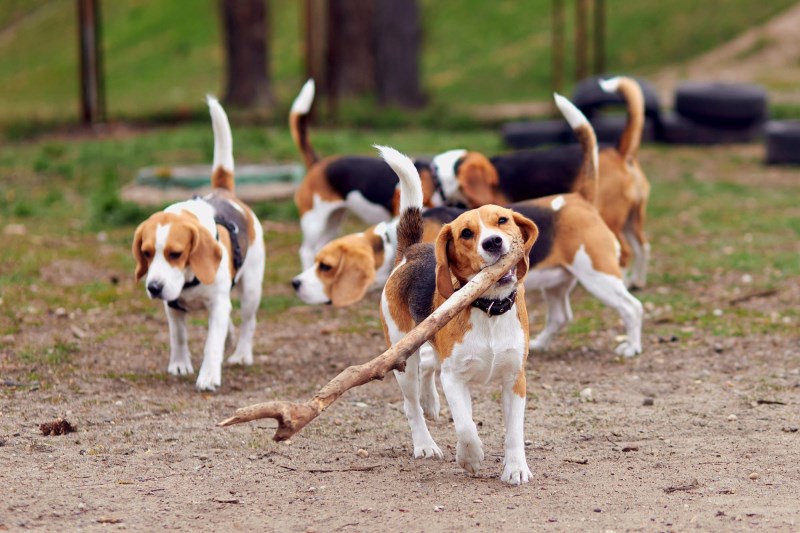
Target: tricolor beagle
(333,185)
(193,252)
(485,342)
(475,180)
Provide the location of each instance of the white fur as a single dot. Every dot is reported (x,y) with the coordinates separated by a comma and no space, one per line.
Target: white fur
(223,139)
(443,166)
(302,104)
(571,113)
(557,203)
(311,289)
(410,183)
(610,85)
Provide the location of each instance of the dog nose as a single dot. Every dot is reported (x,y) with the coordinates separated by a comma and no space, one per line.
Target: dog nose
(155,288)
(296,283)
(493,244)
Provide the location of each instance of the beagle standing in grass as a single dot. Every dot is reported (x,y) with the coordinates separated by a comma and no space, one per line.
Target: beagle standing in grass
(193,252)
(621,198)
(333,185)
(485,342)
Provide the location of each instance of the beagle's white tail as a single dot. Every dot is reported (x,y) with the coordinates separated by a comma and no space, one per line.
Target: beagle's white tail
(585,134)
(631,92)
(298,123)
(410,227)
(222,169)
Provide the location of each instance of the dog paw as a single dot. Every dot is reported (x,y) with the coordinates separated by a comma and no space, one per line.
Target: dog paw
(516,472)
(469,455)
(627,349)
(208,380)
(428,451)
(430,404)
(182,368)
(539,344)
(241,359)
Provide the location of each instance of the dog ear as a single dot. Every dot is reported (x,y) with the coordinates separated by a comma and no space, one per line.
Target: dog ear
(529,232)
(355,274)
(136,248)
(478,180)
(205,255)
(444,280)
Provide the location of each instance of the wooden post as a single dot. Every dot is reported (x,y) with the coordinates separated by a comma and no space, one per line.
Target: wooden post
(581,50)
(599,36)
(92,97)
(557,45)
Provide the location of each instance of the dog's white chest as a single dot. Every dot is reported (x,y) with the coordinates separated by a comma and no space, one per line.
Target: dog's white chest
(491,349)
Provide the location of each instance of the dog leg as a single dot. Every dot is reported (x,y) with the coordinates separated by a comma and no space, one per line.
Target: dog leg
(250,283)
(424,445)
(559,312)
(320,225)
(180,360)
(210,375)
(469,449)
(515,466)
(641,252)
(429,396)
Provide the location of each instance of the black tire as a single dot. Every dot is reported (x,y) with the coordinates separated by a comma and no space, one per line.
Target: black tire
(608,130)
(783,142)
(589,97)
(676,129)
(722,105)
(519,135)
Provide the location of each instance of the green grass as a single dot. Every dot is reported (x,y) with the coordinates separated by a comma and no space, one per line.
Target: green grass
(162,57)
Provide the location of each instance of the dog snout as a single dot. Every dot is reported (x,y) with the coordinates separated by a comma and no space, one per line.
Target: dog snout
(296,283)
(155,288)
(493,244)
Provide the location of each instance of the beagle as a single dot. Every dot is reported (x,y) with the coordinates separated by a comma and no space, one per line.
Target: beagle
(474,179)
(193,252)
(485,342)
(333,185)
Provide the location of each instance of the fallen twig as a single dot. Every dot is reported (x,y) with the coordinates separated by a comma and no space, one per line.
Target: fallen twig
(752,295)
(691,486)
(293,416)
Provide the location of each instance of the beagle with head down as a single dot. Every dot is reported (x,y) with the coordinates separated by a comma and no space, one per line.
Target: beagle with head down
(485,342)
(193,252)
(474,179)
(332,186)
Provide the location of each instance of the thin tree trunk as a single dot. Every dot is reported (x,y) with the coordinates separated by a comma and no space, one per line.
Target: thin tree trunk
(398,35)
(246,37)
(581,50)
(599,36)
(557,46)
(92,104)
(351,47)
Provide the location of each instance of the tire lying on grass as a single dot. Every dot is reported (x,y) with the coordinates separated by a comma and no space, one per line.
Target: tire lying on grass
(676,129)
(608,129)
(724,105)
(589,97)
(783,142)
(530,134)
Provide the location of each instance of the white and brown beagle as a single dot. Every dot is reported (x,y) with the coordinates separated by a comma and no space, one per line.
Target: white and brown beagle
(193,252)
(474,179)
(335,185)
(485,342)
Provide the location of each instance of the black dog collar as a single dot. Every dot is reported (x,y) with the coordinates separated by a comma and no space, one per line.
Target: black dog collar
(176,304)
(496,307)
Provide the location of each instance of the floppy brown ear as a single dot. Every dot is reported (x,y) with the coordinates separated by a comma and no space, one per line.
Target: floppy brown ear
(428,186)
(444,281)
(205,255)
(478,179)
(356,272)
(136,248)
(529,232)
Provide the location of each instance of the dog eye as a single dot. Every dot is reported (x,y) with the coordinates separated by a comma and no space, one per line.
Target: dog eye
(147,254)
(502,220)
(466,234)
(324,267)
(175,255)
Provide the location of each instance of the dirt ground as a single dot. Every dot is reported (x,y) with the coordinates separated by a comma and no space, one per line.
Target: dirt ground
(697,433)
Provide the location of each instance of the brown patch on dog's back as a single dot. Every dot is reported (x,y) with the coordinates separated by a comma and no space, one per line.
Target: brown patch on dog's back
(314,183)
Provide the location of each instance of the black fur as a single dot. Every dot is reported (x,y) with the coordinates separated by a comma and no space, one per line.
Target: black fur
(534,174)
(444,214)
(418,283)
(409,231)
(371,176)
(545,220)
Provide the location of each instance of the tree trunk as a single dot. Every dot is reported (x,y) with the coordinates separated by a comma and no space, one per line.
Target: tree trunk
(581,42)
(398,35)
(93,105)
(351,47)
(246,36)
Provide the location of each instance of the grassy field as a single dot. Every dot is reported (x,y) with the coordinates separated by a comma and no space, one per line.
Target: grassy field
(161,59)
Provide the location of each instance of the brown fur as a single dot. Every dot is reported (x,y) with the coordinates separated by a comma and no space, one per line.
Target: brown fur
(314,183)
(478,181)
(352,269)
(222,179)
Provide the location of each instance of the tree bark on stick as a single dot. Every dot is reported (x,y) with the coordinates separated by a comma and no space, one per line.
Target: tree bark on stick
(293,416)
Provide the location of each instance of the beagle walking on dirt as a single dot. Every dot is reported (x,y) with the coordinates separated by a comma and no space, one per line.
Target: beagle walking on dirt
(193,252)
(485,342)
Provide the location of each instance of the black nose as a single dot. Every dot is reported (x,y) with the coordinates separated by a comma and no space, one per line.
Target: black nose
(493,244)
(296,283)
(155,288)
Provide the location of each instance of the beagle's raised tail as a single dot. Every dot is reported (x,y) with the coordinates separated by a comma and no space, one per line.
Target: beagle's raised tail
(222,169)
(585,133)
(411,226)
(298,123)
(631,92)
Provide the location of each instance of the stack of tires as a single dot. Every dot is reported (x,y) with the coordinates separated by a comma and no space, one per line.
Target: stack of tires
(783,142)
(715,113)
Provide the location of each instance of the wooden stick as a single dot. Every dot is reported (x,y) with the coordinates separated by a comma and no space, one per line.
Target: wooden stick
(292,416)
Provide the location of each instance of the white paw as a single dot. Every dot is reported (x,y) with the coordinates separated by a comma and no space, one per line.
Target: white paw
(469,455)
(539,344)
(209,380)
(428,451)
(516,472)
(429,399)
(627,349)
(181,368)
(241,359)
